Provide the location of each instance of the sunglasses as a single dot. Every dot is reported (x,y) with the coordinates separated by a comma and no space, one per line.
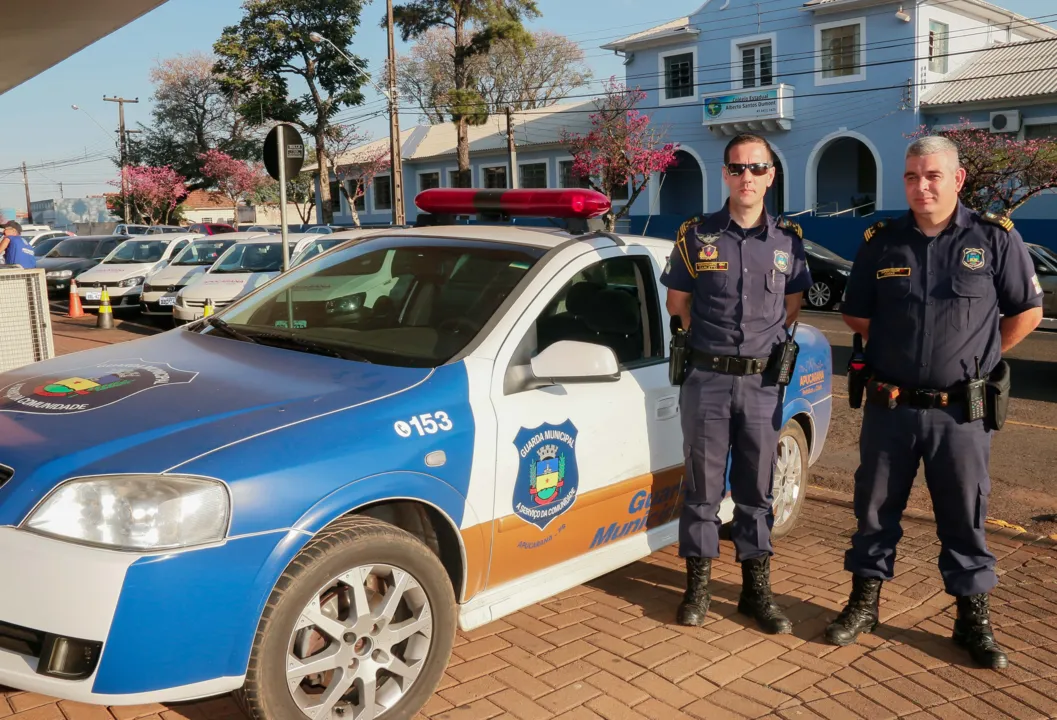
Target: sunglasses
(757,169)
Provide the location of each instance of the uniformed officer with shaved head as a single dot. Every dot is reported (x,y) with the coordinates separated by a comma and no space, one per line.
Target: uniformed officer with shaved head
(939,294)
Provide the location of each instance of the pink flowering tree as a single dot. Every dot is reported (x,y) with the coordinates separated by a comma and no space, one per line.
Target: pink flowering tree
(153,193)
(357,162)
(621,149)
(1002,172)
(235,180)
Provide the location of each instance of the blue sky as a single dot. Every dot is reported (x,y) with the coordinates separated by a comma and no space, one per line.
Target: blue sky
(38,116)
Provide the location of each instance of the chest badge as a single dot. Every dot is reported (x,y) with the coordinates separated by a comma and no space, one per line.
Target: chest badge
(973,258)
(708,252)
(781,260)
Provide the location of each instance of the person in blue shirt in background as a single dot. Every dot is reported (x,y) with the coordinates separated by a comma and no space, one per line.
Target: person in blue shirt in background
(17,250)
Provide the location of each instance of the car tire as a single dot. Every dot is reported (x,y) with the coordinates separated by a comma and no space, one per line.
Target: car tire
(821,295)
(387,558)
(790,478)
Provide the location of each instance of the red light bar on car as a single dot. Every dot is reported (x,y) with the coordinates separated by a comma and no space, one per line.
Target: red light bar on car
(576,203)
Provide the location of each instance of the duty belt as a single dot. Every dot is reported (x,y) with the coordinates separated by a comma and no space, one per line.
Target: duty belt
(885,394)
(729,364)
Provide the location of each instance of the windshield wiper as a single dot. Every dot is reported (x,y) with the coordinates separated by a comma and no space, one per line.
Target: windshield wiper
(310,346)
(221,325)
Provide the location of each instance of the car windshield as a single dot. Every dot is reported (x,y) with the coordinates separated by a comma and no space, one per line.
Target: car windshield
(136,229)
(251,257)
(47,245)
(412,302)
(133,252)
(202,252)
(820,252)
(1050,256)
(1044,264)
(83,249)
(316,248)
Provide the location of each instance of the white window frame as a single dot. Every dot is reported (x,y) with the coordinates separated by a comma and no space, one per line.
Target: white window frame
(858,77)
(663,86)
(446,180)
(375,210)
(735,58)
(546,170)
(427,171)
(1024,122)
(946,60)
(489,166)
(617,204)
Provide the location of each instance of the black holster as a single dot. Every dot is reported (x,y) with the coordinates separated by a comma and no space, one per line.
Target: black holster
(998,387)
(858,373)
(679,352)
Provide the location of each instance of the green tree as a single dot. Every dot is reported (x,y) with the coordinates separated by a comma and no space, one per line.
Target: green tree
(476,26)
(271,46)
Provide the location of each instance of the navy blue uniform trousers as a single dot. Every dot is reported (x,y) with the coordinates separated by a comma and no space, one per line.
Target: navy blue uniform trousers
(739,417)
(956,455)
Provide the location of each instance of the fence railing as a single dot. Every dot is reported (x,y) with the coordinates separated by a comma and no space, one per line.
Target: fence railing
(25,319)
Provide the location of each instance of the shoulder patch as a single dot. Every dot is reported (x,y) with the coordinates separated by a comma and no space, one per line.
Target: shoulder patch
(874,229)
(787,224)
(680,243)
(1000,220)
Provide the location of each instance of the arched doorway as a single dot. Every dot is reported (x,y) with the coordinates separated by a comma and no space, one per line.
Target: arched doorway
(846,176)
(682,190)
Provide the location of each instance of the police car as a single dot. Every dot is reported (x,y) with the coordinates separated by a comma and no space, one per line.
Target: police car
(123,271)
(302,499)
(244,266)
(161,286)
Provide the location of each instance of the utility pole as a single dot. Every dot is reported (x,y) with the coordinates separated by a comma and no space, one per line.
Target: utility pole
(397,169)
(511,147)
(61,195)
(124,157)
(25,181)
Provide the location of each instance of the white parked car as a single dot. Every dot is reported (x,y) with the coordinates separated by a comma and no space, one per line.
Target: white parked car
(161,286)
(243,267)
(316,243)
(123,271)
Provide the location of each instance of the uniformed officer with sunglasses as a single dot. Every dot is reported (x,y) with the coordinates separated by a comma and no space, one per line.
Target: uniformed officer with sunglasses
(735,280)
(939,294)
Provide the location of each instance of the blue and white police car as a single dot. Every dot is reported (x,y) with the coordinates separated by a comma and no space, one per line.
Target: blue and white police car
(302,498)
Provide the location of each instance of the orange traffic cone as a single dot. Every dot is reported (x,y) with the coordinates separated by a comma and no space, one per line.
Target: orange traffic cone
(76,310)
(105,321)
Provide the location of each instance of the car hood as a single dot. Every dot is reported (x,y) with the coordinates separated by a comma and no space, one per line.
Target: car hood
(176,275)
(116,273)
(225,286)
(151,404)
(57,263)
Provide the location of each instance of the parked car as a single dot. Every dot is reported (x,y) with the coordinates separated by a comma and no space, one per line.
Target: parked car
(210,228)
(1046,272)
(130,229)
(43,247)
(829,271)
(73,256)
(162,286)
(165,229)
(34,238)
(123,271)
(301,500)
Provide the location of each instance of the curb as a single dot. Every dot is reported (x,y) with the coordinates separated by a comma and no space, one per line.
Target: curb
(993,527)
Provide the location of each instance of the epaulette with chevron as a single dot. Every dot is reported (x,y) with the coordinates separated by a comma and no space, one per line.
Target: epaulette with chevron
(1000,220)
(787,224)
(874,229)
(681,235)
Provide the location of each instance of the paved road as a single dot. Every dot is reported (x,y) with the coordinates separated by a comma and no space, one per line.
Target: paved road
(1024,453)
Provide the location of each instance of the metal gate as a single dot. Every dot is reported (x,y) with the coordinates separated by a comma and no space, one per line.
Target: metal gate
(25,319)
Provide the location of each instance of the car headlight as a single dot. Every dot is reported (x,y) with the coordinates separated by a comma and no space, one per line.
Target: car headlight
(136,512)
(59,274)
(132,281)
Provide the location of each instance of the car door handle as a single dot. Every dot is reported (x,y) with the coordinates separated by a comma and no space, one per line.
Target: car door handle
(667,407)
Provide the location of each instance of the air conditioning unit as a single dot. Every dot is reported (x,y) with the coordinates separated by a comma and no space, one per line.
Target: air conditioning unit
(1005,121)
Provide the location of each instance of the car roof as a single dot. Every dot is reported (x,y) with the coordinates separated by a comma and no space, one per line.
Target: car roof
(97,238)
(540,237)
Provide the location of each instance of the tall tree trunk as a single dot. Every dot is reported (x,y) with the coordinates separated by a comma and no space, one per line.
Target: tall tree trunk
(462,127)
(326,205)
(463,152)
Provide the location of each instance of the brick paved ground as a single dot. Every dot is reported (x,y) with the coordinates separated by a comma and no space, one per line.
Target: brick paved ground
(76,334)
(608,649)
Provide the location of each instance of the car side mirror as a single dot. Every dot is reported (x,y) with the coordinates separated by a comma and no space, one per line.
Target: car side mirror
(571,361)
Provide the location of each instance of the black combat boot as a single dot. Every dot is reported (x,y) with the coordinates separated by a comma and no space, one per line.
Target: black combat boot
(859,615)
(756,599)
(697,598)
(972,630)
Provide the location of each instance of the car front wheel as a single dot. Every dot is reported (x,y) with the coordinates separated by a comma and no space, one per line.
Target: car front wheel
(821,295)
(359,627)
(790,478)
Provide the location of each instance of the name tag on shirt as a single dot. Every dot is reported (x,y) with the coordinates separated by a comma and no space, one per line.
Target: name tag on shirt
(893,272)
(711,266)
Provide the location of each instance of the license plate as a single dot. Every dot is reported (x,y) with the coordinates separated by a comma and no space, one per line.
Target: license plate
(167,301)
(93,294)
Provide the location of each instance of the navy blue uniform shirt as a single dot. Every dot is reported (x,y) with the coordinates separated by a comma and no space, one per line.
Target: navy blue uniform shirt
(19,252)
(934,303)
(738,280)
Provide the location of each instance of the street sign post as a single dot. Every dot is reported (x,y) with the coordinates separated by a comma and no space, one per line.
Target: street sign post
(284,154)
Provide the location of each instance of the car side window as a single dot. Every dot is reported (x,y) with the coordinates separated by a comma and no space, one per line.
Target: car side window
(613,303)
(178,247)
